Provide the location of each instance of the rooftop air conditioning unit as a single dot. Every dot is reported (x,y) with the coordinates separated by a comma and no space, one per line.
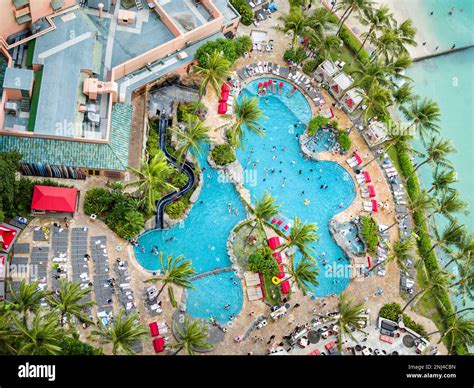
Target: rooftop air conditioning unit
(11,108)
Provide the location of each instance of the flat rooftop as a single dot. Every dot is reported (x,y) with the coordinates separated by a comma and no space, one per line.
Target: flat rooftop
(64,53)
(229,13)
(20,79)
(186,14)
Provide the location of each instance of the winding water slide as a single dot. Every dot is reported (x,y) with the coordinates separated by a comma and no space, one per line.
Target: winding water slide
(187,169)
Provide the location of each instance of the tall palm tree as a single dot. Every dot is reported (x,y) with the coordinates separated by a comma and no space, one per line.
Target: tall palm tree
(324,44)
(396,67)
(304,273)
(387,44)
(421,202)
(350,6)
(458,331)
(248,113)
(69,301)
(350,315)
(450,236)
(41,336)
(406,33)
(152,180)
(27,299)
(214,72)
(301,235)
(7,335)
(191,337)
(464,284)
(295,22)
(438,282)
(464,250)
(437,154)
(375,101)
(122,333)
(176,271)
(192,139)
(442,180)
(263,210)
(403,94)
(321,20)
(448,204)
(424,116)
(372,75)
(401,251)
(376,19)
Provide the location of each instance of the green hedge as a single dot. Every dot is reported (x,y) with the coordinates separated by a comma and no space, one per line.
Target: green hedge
(223,154)
(344,141)
(393,310)
(310,66)
(315,123)
(442,300)
(34,100)
(177,208)
(369,233)
(296,56)
(245,11)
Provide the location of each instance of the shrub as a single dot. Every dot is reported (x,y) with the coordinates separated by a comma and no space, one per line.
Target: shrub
(75,347)
(344,141)
(295,56)
(315,123)
(186,108)
(393,310)
(152,143)
(223,45)
(245,11)
(242,45)
(98,201)
(369,233)
(223,154)
(261,263)
(177,208)
(310,66)
(178,179)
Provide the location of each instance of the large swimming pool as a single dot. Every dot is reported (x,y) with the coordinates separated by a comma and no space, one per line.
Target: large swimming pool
(281,169)
(202,236)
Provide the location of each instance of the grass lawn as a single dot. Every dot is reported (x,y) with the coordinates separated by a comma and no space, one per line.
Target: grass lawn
(392,152)
(34,100)
(272,291)
(345,55)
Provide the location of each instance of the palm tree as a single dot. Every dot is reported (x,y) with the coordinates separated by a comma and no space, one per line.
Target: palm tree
(387,44)
(176,271)
(406,33)
(324,44)
(371,76)
(465,282)
(296,23)
(350,6)
(401,251)
(375,101)
(304,273)
(396,68)
(451,235)
(458,331)
(301,235)
(263,210)
(376,19)
(192,336)
(27,299)
(421,202)
(439,281)
(152,180)
(437,154)
(350,315)
(464,250)
(321,20)
(7,335)
(248,113)
(42,336)
(214,72)
(192,139)
(448,204)
(69,301)
(424,116)
(403,94)
(123,332)
(443,178)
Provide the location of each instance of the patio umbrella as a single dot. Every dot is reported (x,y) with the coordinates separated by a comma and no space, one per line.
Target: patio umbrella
(313,337)
(408,341)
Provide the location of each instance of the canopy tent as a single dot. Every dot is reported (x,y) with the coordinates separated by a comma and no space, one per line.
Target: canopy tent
(357,158)
(374,206)
(8,235)
(367,177)
(371,189)
(274,242)
(54,199)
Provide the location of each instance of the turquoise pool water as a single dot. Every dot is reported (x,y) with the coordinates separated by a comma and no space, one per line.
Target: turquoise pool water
(324,140)
(281,169)
(351,234)
(202,238)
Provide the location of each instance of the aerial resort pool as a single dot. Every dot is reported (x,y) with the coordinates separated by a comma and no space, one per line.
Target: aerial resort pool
(281,169)
(295,182)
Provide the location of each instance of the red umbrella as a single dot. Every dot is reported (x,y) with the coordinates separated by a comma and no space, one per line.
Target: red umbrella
(294,87)
(281,84)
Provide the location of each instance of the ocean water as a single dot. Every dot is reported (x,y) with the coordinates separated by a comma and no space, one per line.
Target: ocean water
(449,80)
(281,169)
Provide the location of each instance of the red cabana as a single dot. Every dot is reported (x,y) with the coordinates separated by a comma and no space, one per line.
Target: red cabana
(154,331)
(8,234)
(159,344)
(54,199)
(371,191)
(277,257)
(357,158)
(224,96)
(329,345)
(222,108)
(315,352)
(374,206)
(285,287)
(225,87)
(274,242)
(281,85)
(367,177)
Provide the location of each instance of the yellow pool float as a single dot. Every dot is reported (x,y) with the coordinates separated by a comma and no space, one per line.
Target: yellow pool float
(276,280)
(307,202)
